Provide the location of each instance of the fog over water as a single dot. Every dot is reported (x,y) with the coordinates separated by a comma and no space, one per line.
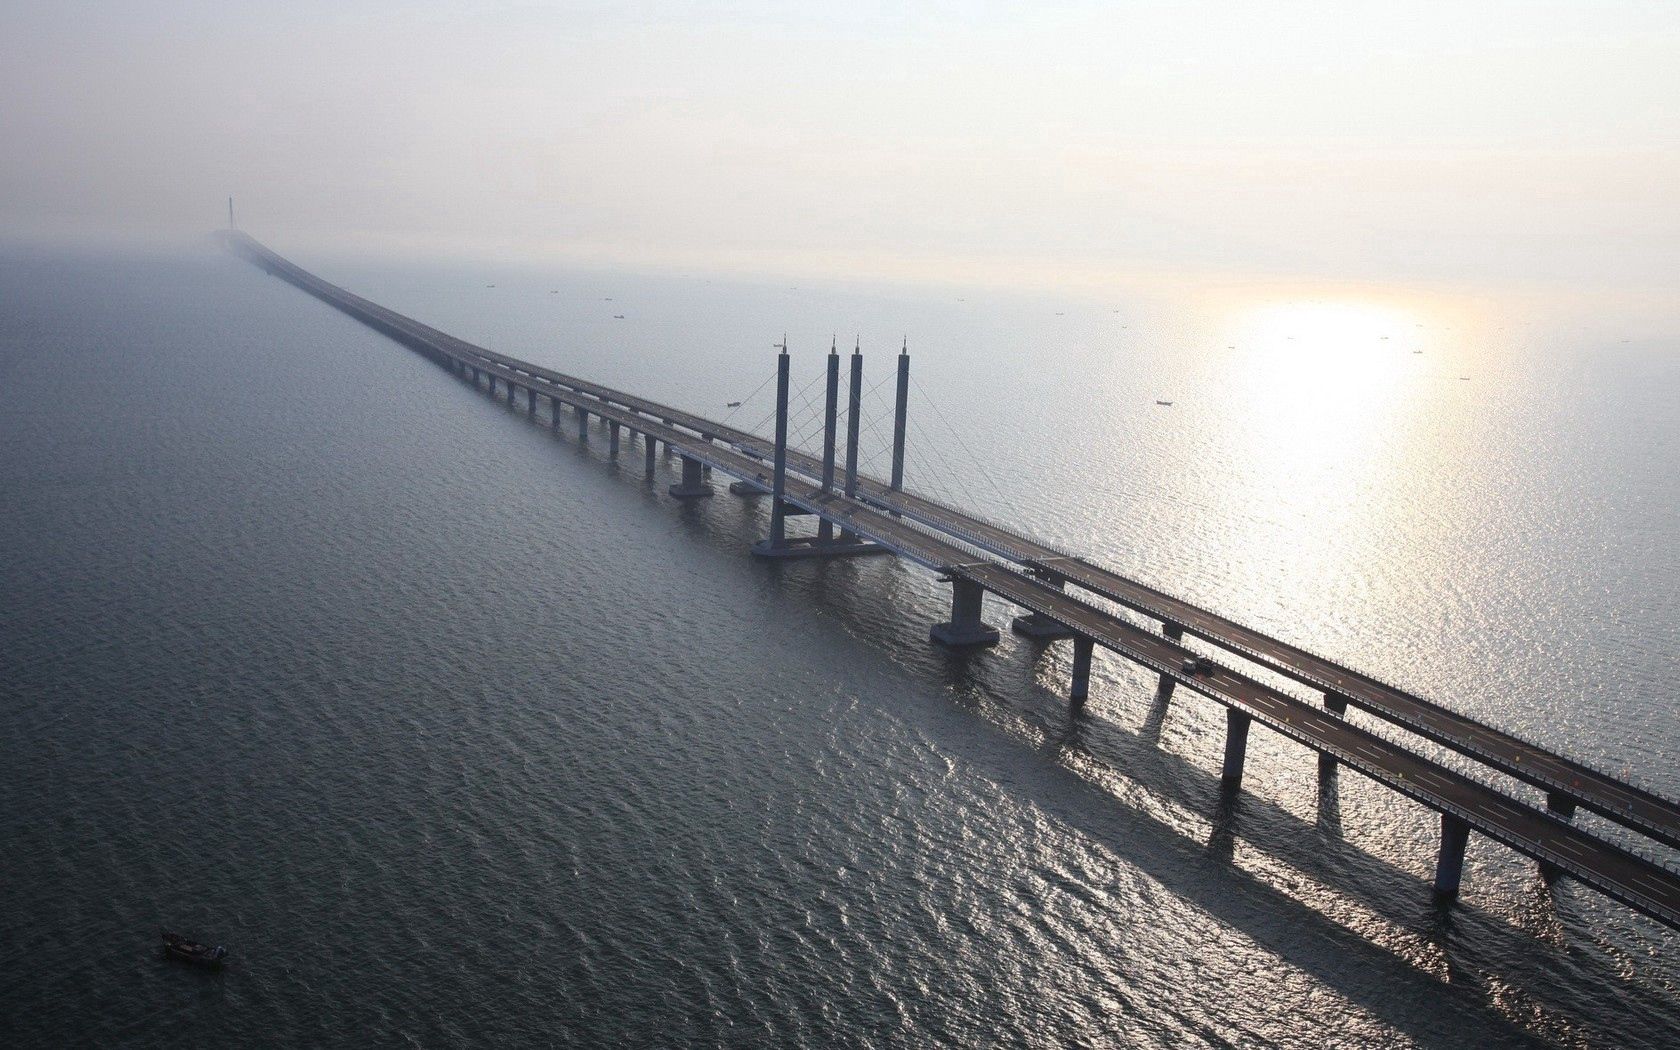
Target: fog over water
(458,732)
(1488,143)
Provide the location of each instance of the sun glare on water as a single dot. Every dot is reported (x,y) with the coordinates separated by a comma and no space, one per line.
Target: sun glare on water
(1323,401)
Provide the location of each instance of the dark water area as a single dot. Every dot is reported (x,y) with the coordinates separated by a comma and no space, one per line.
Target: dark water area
(459,733)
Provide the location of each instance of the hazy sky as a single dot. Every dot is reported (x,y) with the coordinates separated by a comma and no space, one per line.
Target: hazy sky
(1469,141)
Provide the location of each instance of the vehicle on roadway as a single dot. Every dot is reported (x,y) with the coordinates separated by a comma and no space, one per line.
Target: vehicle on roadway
(1198,665)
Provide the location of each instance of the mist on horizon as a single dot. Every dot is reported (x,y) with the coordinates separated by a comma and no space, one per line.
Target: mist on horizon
(1475,143)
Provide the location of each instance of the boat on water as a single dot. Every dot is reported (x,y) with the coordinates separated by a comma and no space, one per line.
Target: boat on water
(1160,402)
(178,947)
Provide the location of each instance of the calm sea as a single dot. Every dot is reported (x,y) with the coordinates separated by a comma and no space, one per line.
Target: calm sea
(458,733)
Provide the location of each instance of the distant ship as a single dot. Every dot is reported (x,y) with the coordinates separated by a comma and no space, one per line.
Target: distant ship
(1160,402)
(179,947)
(733,404)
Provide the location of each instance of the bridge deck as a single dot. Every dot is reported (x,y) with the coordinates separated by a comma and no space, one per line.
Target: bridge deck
(1617,872)
(1599,792)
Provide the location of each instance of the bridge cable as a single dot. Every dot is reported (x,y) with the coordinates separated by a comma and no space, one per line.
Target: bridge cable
(771,378)
(1002,500)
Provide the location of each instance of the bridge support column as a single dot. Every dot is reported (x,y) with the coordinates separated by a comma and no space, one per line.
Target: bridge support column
(490,383)
(1564,808)
(772,546)
(650,451)
(612,437)
(965,628)
(1561,804)
(1037,625)
(1336,704)
(1164,688)
(853,408)
(554,414)
(583,426)
(530,403)
(900,410)
(1236,748)
(510,389)
(693,484)
(1449,865)
(825,528)
(1081,686)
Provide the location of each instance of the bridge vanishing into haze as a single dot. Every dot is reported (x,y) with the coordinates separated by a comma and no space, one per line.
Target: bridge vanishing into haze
(859,515)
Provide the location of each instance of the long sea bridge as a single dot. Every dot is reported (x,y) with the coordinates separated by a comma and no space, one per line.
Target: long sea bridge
(1064,596)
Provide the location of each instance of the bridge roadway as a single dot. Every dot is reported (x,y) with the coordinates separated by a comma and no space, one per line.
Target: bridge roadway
(1618,873)
(1562,777)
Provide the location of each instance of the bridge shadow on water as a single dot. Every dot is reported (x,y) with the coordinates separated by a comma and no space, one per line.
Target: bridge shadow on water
(1489,967)
(1492,968)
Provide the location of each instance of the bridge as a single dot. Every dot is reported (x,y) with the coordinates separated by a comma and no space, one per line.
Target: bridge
(859,515)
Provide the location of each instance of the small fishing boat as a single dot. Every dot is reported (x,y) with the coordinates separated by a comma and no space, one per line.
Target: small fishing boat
(733,404)
(178,947)
(1159,402)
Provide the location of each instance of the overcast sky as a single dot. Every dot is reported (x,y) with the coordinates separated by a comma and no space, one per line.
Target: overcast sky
(1470,141)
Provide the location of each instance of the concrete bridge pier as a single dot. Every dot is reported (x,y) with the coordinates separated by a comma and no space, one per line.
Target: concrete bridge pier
(1561,804)
(510,389)
(1037,625)
(1336,704)
(612,438)
(1449,865)
(650,450)
(964,629)
(1563,807)
(554,413)
(693,484)
(583,426)
(1164,688)
(1081,685)
(530,403)
(1236,748)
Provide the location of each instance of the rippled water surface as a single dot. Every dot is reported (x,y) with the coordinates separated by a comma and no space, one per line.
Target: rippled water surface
(458,733)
